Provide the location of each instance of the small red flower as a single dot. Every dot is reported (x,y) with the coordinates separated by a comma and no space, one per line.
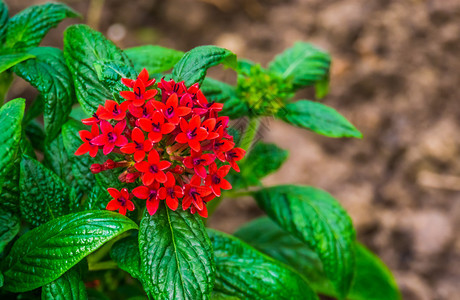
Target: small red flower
(113,111)
(171,87)
(205,106)
(171,110)
(138,96)
(233,156)
(156,127)
(139,146)
(153,169)
(121,201)
(197,161)
(111,136)
(171,192)
(152,194)
(143,76)
(216,179)
(145,111)
(95,118)
(88,145)
(192,133)
(194,193)
(210,125)
(220,146)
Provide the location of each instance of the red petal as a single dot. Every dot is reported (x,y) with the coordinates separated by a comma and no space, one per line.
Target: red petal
(182,111)
(203,212)
(121,141)
(150,94)
(188,162)
(124,193)
(143,75)
(172,101)
(160,177)
(148,178)
(194,122)
(100,140)
(113,205)
(84,135)
(114,193)
(223,171)
(172,203)
(139,155)
(186,202)
(201,134)
(167,128)
(184,125)
(178,191)
(155,137)
(128,148)
(200,171)
(195,145)
(163,164)
(137,135)
(170,180)
(128,95)
(225,185)
(145,124)
(106,127)
(119,127)
(152,206)
(83,149)
(181,138)
(94,130)
(141,192)
(129,205)
(154,158)
(93,151)
(108,148)
(142,166)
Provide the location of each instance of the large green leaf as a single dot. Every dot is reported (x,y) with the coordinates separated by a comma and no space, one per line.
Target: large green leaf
(9,227)
(58,160)
(372,278)
(318,118)
(11,117)
(262,160)
(126,254)
(35,136)
(80,164)
(110,74)
(217,91)
(304,63)
(82,48)
(34,110)
(43,195)
(49,74)
(45,253)
(4,17)
(194,64)
(27,28)
(155,59)
(317,219)
(10,60)
(67,287)
(10,188)
(176,255)
(245,273)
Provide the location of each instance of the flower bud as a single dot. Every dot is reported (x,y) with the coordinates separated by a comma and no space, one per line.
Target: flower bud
(96,168)
(131,177)
(109,164)
(178,170)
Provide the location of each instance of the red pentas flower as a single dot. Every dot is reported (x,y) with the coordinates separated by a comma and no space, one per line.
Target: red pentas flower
(166,138)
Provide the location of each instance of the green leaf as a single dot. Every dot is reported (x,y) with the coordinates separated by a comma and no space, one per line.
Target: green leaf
(10,60)
(110,74)
(262,160)
(245,273)
(48,73)
(43,195)
(10,188)
(67,287)
(194,64)
(176,255)
(35,109)
(126,254)
(217,91)
(372,278)
(155,59)
(304,63)
(98,198)
(27,29)
(4,17)
(45,253)
(318,118)
(34,132)
(9,227)
(11,114)
(317,219)
(58,161)
(322,88)
(82,48)
(80,164)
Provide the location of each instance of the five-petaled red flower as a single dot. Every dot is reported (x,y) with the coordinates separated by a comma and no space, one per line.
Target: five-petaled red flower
(112,111)
(171,110)
(88,146)
(194,193)
(121,201)
(197,161)
(171,192)
(139,146)
(156,127)
(152,194)
(192,133)
(153,168)
(233,156)
(216,179)
(111,136)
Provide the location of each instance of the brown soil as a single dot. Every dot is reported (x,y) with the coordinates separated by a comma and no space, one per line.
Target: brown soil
(394,75)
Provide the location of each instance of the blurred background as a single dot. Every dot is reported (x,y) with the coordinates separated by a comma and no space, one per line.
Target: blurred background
(395,75)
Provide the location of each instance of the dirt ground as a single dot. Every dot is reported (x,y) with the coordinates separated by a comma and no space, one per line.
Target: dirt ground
(395,75)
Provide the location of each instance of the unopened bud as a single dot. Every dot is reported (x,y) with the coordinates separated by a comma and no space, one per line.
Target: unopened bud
(178,170)
(96,168)
(109,164)
(131,177)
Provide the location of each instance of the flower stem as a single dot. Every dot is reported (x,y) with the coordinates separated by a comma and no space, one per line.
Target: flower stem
(249,134)
(103,265)
(6,78)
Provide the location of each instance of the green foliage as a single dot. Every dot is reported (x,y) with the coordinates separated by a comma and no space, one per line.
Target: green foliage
(110,75)
(10,60)
(43,195)
(192,67)
(69,287)
(318,118)
(221,92)
(83,47)
(245,273)
(27,29)
(45,253)
(304,64)
(155,59)
(48,73)
(9,227)
(318,220)
(11,113)
(176,255)
(372,278)
(126,254)
(262,160)
(4,17)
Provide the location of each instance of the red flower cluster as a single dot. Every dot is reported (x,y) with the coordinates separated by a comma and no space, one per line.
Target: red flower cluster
(170,141)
